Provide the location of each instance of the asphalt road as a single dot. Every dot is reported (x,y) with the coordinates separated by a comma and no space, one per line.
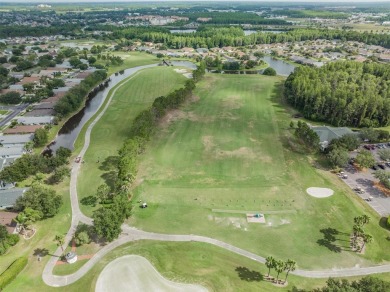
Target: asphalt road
(15,111)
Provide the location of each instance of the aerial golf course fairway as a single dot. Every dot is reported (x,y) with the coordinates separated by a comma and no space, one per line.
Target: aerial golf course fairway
(226,152)
(230,151)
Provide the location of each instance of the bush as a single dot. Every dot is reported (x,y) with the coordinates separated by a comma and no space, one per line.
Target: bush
(388,221)
(12,239)
(12,97)
(269,71)
(13,270)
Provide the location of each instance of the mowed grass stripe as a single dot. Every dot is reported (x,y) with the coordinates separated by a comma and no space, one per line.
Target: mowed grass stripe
(229,150)
(227,134)
(113,128)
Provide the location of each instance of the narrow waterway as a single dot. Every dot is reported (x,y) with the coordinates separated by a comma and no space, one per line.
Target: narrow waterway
(71,129)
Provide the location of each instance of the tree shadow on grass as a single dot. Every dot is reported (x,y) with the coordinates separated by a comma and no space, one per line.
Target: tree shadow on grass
(110,163)
(330,238)
(110,178)
(89,201)
(41,252)
(247,275)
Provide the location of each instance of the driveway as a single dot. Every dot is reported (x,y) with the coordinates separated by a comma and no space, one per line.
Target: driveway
(365,180)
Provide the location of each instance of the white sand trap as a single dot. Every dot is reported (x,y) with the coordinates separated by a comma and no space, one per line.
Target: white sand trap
(320,192)
(135,273)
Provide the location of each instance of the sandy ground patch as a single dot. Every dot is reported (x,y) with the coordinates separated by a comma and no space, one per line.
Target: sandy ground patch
(320,192)
(243,152)
(135,273)
(208,142)
(232,102)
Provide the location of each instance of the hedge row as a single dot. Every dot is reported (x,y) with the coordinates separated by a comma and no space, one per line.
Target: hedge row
(13,270)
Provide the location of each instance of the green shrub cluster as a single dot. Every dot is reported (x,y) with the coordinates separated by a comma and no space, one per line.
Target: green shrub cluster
(13,270)
(76,96)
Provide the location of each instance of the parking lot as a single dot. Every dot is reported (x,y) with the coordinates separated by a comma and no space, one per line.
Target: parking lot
(362,182)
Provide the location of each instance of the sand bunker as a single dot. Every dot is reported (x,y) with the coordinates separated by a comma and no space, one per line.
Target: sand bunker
(135,273)
(320,192)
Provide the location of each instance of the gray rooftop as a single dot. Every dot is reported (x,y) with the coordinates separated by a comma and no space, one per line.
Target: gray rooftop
(44,105)
(35,120)
(8,197)
(61,89)
(327,134)
(16,139)
(11,151)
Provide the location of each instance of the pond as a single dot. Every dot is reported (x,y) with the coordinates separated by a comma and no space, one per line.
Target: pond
(281,67)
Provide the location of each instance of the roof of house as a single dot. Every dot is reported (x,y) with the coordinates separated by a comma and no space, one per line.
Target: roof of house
(327,134)
(15,139)
(6,219)
(40,112)
(8,197)
(35,120)
(61,89)
(27,80)
(11,151)
(57,96)
(14,87)
(44,105)
(20,91)
(22,129)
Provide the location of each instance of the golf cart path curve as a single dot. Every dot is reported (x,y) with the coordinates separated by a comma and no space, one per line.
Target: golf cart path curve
(130,234)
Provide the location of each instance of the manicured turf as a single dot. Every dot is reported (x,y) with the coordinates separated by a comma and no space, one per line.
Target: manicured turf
(230,150)
(132,59)
(112,129)
(42,243)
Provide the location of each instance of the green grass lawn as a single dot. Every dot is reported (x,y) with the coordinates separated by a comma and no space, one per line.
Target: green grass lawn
(213,267)
(131,59)
(112,129)
(42,241)
(230,150)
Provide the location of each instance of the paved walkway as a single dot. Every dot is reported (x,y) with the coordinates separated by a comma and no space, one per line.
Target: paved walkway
(132,234)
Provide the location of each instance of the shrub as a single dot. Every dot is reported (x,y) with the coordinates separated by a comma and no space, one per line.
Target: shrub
(12,239)
(388,221)
(269,71)
(13,270)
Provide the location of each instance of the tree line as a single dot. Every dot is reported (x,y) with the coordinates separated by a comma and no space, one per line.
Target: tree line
(342,93)
(366,284)
(219,37)
(77,95)
(108,219)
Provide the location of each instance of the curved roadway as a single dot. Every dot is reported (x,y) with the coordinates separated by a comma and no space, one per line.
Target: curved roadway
(132,234)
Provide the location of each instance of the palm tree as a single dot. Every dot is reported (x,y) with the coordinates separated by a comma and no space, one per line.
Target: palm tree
(357,232)
(367,238)
(279,267)
(365,219)
(60,240)
(21,219)
(358,221)
(27,217)
(290,266)
(269,263)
